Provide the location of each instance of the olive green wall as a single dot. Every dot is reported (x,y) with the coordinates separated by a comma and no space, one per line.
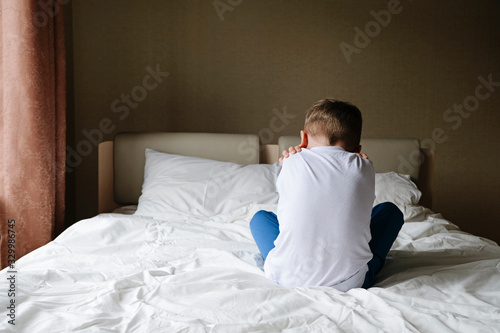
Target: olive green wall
(255,66)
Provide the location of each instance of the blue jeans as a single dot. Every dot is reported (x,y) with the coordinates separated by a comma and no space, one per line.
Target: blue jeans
(386,221)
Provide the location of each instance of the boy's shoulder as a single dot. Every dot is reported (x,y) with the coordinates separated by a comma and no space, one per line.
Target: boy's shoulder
(331,158)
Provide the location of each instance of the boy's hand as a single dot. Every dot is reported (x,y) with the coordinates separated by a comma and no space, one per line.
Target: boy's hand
(290,151)
(362,155)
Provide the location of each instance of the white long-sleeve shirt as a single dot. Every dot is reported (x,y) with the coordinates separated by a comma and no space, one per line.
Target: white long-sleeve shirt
(325,201)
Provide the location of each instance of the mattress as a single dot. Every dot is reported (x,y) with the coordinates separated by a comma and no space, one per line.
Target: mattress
(125,273)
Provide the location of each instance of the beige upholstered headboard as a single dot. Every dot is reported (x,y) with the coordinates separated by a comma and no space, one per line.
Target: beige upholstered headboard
(129,156)
(121,162)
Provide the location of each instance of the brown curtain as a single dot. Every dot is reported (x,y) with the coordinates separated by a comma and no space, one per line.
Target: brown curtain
(32,124)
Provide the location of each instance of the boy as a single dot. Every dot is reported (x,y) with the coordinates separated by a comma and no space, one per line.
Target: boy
(327,234)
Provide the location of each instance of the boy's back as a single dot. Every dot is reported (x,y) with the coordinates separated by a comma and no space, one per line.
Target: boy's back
(326,198)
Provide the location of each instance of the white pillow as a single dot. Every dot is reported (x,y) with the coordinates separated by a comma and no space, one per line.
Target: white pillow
(396,188)
(176,185)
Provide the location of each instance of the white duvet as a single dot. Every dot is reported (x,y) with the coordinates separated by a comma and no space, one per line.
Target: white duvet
(125,273)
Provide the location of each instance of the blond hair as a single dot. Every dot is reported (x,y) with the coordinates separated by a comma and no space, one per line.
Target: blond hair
(336,121)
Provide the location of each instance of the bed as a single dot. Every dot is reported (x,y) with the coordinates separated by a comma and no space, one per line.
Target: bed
(171,250)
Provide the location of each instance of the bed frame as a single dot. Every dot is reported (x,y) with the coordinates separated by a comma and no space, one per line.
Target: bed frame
(121,162)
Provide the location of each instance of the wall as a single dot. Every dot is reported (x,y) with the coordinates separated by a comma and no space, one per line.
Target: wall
(237,69)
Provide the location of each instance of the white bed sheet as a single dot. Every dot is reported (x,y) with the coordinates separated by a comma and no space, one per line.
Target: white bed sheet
(125,273)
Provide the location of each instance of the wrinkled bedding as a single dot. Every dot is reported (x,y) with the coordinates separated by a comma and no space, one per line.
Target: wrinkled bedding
(128,273)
